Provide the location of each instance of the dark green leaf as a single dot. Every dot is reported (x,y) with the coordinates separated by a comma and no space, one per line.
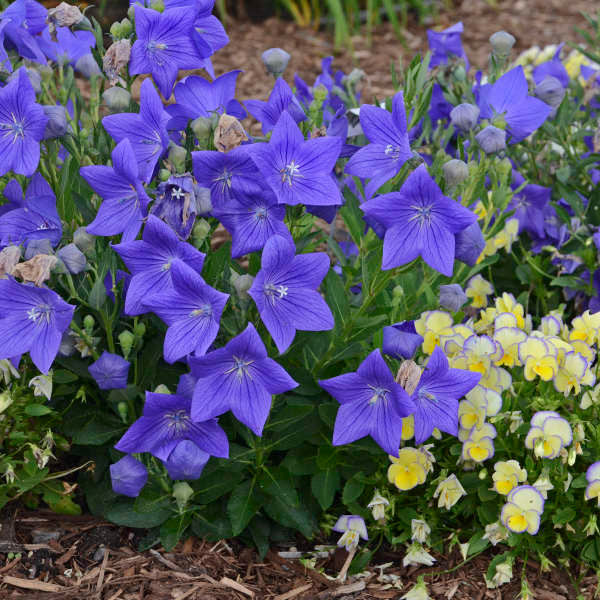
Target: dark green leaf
(122,513)
(324,485)
(243,504)
(37,410)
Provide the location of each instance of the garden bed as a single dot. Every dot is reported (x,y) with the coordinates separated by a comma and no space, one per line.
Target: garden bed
(88,557)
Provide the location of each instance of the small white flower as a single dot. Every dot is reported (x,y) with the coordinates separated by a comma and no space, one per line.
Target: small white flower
(449,491)
(378,505)
(418,592)
(417,555)
(420,531)
(543,484)
(42,385)
(495,533)
(503,575)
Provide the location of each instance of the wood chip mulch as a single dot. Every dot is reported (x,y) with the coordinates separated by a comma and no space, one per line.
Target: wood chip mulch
(86,558)
(532,22)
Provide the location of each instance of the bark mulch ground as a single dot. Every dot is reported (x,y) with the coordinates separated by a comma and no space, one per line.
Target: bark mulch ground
(532,22)
(63,557)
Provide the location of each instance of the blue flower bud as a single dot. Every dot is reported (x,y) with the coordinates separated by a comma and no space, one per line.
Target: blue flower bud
(455,172)
(117,99)
(57,125)
(502,43)
(550,91)
(202,128)
(464,116)
(491,139)
(35,247)
(88,66)
(34,78)
(275,60)
(401,340)
(128,476)
(469,244)
(83,240)
(73,258)
(452,297)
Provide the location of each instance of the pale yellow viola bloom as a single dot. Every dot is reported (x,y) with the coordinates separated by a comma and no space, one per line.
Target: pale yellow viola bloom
(430,326)
(539,359)
(548,437)
(479,447)
(571,372)
(585,327)
(472,414)
(508,303)
(593,491)
(478,289)
(408,469)
(449,492)
(509,339)
(507,475)
(453,341)
(481,395)
(518,520)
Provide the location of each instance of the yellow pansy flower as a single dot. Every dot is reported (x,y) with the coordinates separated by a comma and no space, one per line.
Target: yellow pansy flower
(586,328)
(407,470)
(571,372)
(548,435)
(507,475)
(430,326)
(479,447)
(508,303)
(518,520)
(482,395)
(509,339)
(478,289)
(539,359)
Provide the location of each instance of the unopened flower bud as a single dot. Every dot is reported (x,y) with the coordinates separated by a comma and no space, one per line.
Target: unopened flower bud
(354,77)
(88,67)
(202,128)
(83,240)
(420,530)
(164,175)
(117,99)
(378,505)
(139,330)
(126,341)
(455,172)
(123,412)
(320,93)
(73,258)
(572,456)
(57,125)
(157,5)
(177,158)
(34,78)
(42,385)
(275,60)
(502,43)
(241,284)
(182,492)
(121,30)
(200,231)
(550,91)
(452,297)
(464,116)
(9,474)
(491,139)
(162,389)
(88,323)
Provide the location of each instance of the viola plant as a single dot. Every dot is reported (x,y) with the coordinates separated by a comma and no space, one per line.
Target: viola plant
(306,305)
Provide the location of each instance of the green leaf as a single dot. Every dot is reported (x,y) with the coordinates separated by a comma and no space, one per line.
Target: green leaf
(324,485)
(243,504)
(260,528)
(571,281)
(172,530)
(353,489)
(37,410)
(477,544)
(97,296)
(217,484)
(352,216)
(278,483)
(122,513)
(495,562)
(152,498)
(212,524)
(92,428)
(337,299)
(564,515)
(65,506)
(298,517)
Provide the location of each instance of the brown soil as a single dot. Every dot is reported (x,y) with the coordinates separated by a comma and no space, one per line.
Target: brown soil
(73,567)
(532,22)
